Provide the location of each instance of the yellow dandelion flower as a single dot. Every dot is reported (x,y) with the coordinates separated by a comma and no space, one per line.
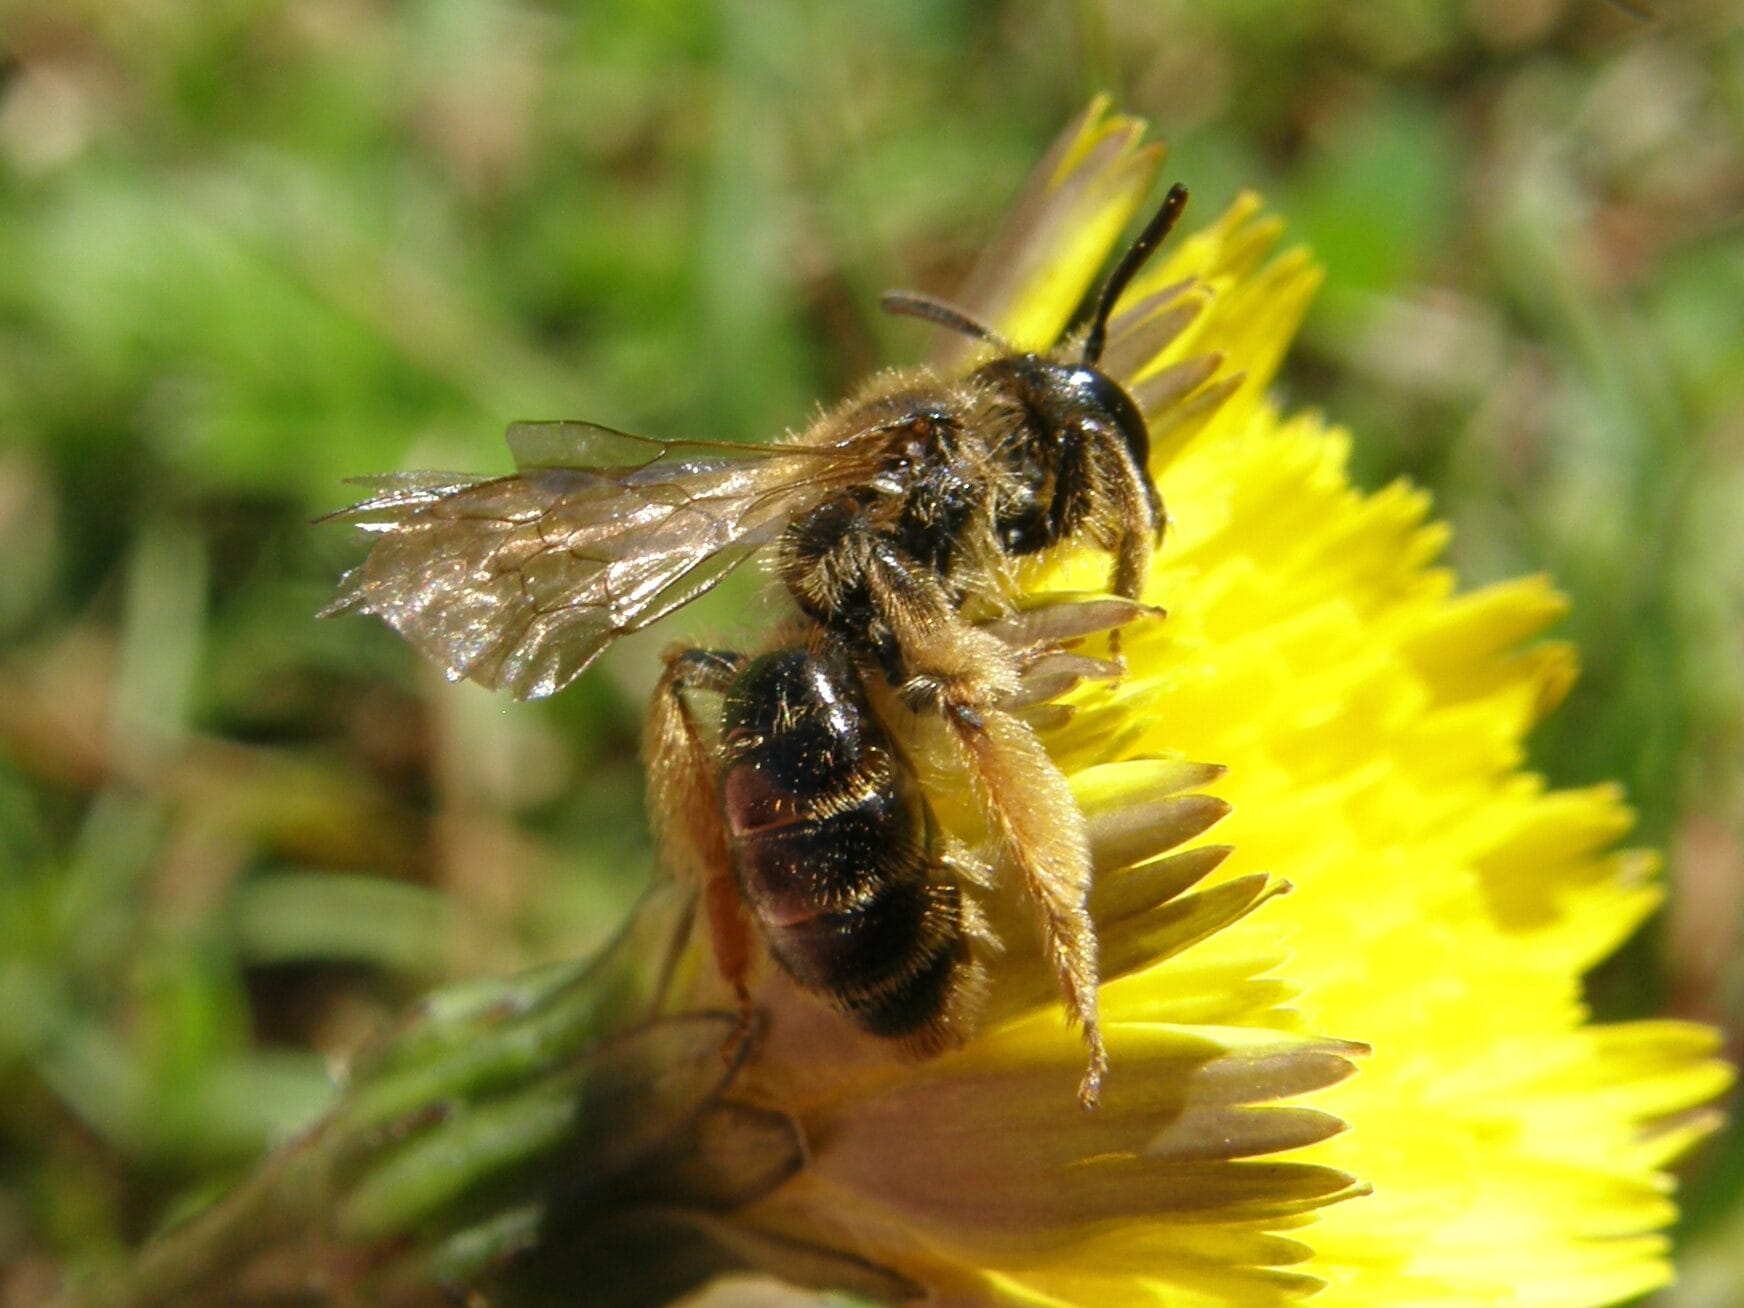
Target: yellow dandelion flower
(1321,712)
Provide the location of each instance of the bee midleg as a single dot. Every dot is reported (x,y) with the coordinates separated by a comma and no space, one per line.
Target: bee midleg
(964,671)
(940,657)
(685,808)
(1132,555)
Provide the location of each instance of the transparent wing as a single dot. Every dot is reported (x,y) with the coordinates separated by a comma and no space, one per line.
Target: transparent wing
(567,444)
(520,582)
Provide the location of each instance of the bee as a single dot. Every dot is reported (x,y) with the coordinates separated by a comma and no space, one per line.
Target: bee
(895,523)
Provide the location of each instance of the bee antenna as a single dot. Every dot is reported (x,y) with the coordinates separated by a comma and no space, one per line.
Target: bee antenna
(1130,262)
(912,304)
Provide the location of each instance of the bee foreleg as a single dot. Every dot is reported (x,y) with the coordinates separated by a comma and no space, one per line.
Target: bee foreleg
(1139,520)
(685,809)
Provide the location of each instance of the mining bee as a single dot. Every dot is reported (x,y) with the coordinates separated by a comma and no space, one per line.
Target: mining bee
(895,523)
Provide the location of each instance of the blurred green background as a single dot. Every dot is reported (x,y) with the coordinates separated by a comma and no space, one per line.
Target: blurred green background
(251,247)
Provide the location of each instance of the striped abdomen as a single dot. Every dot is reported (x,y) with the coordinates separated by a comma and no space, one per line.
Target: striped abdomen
(829,845)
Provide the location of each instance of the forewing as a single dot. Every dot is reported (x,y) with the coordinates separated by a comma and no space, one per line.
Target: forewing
(520,582)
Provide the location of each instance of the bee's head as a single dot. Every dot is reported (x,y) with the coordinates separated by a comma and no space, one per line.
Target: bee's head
(1065,413)
(1060,398)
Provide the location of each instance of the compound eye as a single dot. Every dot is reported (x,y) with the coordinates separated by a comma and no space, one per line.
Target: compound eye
(1100,391)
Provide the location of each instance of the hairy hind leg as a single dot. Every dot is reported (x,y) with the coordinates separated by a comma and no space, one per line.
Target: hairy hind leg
(685,810)
(965,673)
(1030,806)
